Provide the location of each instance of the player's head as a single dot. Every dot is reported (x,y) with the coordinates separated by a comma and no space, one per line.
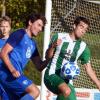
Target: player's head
(35,23)
(81,25)
(5,25)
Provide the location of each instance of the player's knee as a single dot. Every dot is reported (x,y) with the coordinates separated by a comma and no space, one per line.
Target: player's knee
(67,92)
(65,89)
(36,93)
(33,91)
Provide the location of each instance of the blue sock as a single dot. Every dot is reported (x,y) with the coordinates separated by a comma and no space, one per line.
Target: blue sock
(27,97)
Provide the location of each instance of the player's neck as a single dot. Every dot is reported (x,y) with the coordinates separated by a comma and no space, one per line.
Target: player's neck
(5,37)
(72,36)
(28,32)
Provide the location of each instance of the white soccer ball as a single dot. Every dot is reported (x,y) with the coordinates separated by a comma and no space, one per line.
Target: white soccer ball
(70,71)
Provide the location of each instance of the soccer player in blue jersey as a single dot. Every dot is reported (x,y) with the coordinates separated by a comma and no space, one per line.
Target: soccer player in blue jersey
(5,27)
(18,50)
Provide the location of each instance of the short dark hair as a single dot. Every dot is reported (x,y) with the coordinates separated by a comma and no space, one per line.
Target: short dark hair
(5,18)
(83,19)
(35,16)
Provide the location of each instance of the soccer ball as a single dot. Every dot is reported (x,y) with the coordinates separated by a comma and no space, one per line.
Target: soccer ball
(70,71)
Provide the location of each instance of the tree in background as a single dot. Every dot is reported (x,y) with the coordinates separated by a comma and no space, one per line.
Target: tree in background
(19,9)
(3,8)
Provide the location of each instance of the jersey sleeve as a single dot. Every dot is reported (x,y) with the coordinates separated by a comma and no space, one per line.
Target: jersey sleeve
(85,56)
(15,37)
(35,53)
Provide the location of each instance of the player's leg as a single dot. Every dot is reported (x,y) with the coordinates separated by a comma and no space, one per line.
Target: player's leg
(64,89)
(25,86)
(21,85)
(72,95)
(32,92)
(57,85)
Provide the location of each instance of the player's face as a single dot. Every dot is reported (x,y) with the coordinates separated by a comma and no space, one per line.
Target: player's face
(80,29)
(36,27)
(5,28)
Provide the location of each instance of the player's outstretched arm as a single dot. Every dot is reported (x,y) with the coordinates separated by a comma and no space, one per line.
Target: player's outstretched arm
(92,74)
(40,65)
(4,56)
(50,50)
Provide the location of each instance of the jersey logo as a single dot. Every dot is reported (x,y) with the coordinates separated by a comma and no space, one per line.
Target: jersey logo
(25,82)
(64,38)
(67,55)
(28,52)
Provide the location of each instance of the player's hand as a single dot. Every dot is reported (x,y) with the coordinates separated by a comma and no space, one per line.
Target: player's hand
(56,43)
(99,85)
(15,73)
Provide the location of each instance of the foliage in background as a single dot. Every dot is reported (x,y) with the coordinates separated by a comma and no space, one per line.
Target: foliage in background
(18,10)
(94,45)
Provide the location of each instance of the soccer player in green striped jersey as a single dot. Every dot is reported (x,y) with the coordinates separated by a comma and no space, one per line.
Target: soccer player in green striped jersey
(68,48)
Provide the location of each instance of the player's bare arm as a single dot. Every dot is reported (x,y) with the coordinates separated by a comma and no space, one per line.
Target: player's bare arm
(92,74)
(50,51)
(4,56)
(40,65)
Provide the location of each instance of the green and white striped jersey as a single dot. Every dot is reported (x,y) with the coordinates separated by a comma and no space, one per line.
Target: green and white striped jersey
(68,50)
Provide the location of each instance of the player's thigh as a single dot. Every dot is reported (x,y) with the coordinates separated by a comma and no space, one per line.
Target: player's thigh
(52,82)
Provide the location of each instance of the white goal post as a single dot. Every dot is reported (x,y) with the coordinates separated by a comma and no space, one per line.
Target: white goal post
(46,42)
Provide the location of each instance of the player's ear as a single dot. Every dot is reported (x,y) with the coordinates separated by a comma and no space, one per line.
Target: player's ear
(30,23)
(74,26)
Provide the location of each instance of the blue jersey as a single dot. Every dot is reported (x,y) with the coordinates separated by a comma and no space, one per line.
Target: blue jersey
(2,42)
(24,48)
